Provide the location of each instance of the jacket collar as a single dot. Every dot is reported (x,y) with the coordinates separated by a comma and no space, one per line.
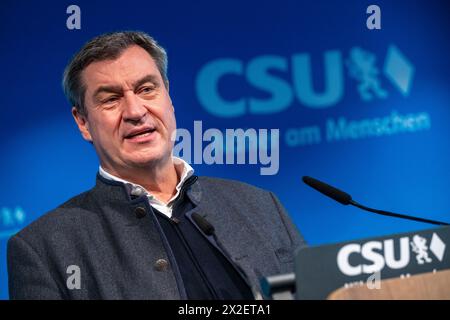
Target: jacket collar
(113,191)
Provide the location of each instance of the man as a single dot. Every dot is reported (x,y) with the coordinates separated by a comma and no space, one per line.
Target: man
(149,229)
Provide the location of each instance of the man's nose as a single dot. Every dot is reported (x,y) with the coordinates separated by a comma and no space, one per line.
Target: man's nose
(134,109)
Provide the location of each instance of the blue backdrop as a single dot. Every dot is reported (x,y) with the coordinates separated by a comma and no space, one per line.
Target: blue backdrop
(365,110)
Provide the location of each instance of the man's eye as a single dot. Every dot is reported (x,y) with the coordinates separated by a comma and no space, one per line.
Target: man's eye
(111,99)
(146,90)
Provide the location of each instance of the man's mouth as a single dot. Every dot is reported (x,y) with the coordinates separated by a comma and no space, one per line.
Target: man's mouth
(139,133)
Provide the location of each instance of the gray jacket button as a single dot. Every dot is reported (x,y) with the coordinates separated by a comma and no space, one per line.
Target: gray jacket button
(161,265)
(140,212)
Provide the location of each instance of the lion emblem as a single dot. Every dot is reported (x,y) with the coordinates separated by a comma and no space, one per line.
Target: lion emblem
(361,65)
(420,248)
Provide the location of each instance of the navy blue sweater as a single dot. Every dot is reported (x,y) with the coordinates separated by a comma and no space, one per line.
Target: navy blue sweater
(206,272)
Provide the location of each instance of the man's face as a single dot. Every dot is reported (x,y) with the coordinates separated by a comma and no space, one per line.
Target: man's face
(130,117)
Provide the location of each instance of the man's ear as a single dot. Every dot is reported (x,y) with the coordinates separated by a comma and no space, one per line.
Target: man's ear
(83,124)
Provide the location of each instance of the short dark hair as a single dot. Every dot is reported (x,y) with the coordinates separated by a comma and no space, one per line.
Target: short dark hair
(106,47)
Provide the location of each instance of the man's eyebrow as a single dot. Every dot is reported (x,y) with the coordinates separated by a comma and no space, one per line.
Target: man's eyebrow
(118,89)
(110,89)
(148,78)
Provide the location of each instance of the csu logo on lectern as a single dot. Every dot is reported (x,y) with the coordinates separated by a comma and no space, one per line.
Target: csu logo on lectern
(381,254)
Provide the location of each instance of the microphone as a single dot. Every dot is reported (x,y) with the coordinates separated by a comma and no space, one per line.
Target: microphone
(346,199)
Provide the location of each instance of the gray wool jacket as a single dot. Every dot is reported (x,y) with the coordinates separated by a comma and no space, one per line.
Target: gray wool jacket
(119,251)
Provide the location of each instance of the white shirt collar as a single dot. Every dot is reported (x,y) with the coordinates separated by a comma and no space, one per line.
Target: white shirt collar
(184,170)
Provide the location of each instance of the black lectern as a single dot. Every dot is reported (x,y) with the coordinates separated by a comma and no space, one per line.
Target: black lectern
(414,265)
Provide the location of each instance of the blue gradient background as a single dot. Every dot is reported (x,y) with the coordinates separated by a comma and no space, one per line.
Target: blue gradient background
(44,160)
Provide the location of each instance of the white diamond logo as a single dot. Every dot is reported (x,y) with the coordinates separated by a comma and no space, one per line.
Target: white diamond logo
(437,246)
(399,70)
